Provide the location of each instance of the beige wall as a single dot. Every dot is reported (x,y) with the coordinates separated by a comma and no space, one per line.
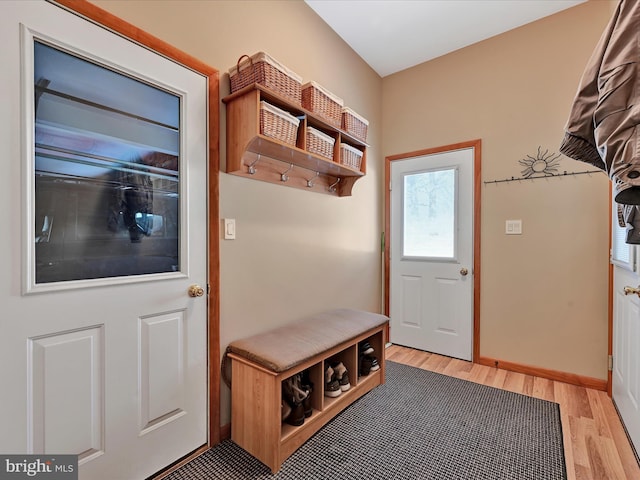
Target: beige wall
(544,293)
(296,252)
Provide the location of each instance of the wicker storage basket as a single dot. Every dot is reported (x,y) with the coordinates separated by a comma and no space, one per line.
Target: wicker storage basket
(318,100)
(320,143)
(354,124)
(263,69)
(278,124)
(350,156)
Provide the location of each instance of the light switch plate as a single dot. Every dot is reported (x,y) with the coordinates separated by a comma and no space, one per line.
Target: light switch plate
(513,227)
(229,229)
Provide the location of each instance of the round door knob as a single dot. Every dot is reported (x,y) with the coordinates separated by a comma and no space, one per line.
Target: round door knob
(196,291)
(464,272)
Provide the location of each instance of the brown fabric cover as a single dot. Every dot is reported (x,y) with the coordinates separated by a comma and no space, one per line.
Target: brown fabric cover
(285,347)
(604,124)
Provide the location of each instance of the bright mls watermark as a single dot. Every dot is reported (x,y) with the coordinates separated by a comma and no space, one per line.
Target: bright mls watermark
(50,467)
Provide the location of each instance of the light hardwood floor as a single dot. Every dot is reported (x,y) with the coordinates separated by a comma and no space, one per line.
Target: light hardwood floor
(595,444)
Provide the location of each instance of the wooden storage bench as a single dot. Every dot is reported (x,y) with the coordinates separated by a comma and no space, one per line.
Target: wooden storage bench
(259,365)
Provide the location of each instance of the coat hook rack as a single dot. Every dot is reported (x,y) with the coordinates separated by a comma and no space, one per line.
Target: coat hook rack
(308,176)
(541,165)
(550,175)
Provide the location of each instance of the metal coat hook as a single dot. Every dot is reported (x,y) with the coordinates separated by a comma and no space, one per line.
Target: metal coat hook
(283,176)
(252,168)
(332,187)
(310,180)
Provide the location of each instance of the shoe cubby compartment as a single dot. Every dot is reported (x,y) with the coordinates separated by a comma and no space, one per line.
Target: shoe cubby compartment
(348,358)
(377,343)
(256,395)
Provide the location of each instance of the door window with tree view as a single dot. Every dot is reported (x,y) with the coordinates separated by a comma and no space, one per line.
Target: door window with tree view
(429,200)
(106,181)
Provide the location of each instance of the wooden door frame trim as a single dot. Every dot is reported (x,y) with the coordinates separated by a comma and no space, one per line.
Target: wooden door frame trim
(611,297)
(119,26)
(477,168)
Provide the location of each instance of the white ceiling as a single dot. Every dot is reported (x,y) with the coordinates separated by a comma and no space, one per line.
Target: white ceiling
(392,35)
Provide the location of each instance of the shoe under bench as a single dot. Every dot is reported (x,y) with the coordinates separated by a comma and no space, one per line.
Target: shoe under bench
(259,365)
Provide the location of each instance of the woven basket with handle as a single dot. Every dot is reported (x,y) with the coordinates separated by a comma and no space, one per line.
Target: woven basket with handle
(263,69)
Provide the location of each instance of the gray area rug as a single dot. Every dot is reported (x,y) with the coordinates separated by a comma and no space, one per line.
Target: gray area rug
(418,425)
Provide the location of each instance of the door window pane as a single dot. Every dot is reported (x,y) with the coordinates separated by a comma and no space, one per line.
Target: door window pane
(429,219)
(106,172)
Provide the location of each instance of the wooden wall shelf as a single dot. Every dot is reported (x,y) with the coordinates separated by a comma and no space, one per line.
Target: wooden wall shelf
(253,155)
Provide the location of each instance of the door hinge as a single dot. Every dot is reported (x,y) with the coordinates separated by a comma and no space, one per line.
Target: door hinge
(610,359)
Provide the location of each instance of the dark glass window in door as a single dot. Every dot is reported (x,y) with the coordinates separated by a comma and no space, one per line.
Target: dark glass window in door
(107,183)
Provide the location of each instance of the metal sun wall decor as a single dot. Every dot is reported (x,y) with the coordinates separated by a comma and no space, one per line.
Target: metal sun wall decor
(542,165)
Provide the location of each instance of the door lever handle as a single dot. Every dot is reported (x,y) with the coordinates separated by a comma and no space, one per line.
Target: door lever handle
(631,290)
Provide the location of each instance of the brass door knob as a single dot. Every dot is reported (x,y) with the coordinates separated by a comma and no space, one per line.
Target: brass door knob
(196,291)
(631,290)
(464,272)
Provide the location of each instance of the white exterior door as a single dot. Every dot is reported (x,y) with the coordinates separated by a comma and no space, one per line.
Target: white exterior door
(626,332)
(431,265)
(103,353)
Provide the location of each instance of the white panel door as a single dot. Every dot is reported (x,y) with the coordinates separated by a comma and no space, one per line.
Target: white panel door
(431,268)
(626,333)
(103,352)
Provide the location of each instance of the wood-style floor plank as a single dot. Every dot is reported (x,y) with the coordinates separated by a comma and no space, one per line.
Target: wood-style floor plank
(595,443)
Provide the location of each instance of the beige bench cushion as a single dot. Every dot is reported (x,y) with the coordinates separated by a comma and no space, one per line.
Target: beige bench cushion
(285,347)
